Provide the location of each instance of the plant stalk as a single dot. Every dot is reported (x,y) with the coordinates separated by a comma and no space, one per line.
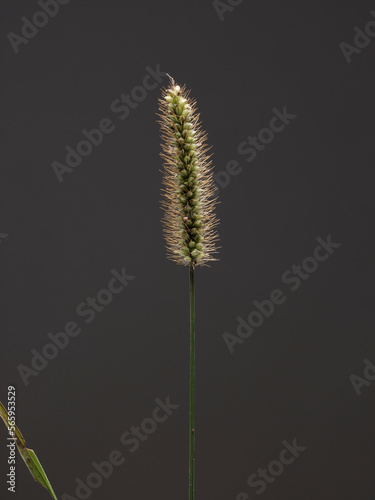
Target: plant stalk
(28,456)
(192,387)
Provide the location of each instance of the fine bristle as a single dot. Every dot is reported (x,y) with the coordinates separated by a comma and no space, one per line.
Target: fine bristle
(189,220)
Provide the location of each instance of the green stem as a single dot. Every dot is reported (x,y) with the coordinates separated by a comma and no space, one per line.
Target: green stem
(28,456)
(192,387)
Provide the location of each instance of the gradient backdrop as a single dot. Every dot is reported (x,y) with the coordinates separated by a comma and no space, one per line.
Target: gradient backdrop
(293,377)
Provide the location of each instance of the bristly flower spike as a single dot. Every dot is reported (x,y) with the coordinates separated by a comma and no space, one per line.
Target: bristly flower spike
(188,196)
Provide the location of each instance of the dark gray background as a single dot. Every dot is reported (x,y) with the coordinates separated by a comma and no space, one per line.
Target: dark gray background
(291,378)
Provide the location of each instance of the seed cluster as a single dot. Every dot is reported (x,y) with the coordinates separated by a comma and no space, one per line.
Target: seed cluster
(188,202)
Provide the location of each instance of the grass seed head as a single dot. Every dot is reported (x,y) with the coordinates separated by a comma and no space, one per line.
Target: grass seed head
(189,220)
